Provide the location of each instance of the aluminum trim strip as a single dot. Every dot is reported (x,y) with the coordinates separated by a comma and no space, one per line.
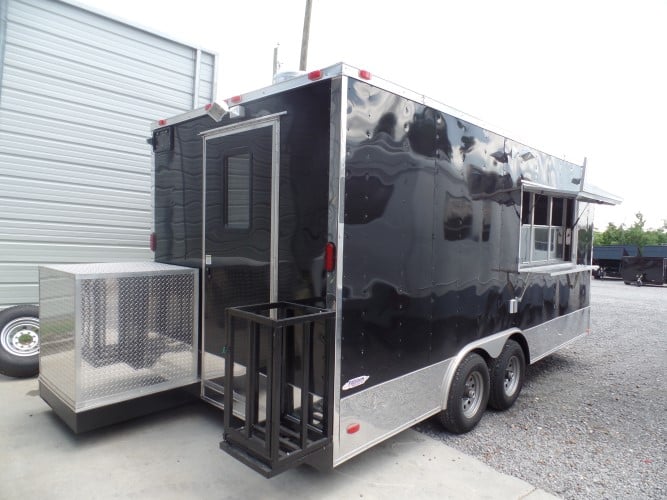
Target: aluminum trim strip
(195,327)
(330,72)
(275,206)
(179,118)
(202,285)
(338,185)
(255,123)
(78,335)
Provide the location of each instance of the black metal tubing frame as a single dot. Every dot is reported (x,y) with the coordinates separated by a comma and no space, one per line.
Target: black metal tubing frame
(264,455)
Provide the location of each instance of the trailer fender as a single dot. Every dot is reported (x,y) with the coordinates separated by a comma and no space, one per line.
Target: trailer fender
(488,347)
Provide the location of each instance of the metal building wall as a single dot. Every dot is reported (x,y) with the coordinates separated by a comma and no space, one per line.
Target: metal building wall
(78,91)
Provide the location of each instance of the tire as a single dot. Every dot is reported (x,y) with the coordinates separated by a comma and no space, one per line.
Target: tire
(468,395)
(19,341)
(507,373)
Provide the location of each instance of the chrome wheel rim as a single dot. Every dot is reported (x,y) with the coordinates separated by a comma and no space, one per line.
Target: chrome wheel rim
(512,374)
(20,337)
(472,394)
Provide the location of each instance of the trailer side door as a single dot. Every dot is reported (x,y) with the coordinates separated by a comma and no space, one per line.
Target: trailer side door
(241,172)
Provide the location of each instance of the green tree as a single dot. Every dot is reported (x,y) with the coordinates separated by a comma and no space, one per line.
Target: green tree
(636,234)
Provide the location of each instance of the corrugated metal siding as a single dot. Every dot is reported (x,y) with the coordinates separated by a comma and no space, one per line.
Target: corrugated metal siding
(78,93)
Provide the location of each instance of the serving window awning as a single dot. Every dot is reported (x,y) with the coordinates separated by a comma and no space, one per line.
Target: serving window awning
(588,194)
(556,269)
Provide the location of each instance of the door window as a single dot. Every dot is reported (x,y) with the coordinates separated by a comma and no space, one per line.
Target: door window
(236,179)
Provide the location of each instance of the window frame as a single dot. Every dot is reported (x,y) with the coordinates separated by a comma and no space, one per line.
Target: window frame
(559,245)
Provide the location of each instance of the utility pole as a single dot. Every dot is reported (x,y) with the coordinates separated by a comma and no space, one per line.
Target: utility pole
(276,64)
(306,34)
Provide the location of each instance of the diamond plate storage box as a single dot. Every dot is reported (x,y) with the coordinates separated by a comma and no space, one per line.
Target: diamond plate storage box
(117,340)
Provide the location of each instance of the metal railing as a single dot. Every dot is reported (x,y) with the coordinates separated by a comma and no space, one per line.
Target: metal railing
(278,384)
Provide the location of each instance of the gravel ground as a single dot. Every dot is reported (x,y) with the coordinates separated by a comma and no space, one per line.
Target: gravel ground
(591,419)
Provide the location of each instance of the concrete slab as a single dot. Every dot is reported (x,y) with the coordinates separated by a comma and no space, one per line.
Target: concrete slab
(175,455)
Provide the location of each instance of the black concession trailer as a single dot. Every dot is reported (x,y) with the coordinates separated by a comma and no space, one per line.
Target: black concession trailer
(643,270)
(367,258)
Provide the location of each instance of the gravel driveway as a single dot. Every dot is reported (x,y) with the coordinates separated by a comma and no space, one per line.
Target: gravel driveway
(591,419)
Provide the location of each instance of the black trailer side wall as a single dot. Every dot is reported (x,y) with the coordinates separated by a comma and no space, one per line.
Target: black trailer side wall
(304,163)
(178,194)
(432,220)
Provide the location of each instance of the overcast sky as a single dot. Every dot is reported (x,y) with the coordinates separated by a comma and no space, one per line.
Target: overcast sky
(574,78)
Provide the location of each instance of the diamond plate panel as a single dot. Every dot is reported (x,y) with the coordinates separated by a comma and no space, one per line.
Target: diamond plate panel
(135,330)
(57,318)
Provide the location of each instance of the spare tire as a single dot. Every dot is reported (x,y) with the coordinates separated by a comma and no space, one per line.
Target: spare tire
(19,341)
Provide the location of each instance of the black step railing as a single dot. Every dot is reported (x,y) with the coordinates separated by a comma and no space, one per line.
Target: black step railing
(278,385)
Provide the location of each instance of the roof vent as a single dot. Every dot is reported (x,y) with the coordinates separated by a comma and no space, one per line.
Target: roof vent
(286,75)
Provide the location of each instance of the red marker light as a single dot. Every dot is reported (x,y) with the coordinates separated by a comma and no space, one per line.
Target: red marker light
(365,74)
(162,122)
(315,75)
(352,428)
(208,106)
(153,242)
(236,99)
(330,257)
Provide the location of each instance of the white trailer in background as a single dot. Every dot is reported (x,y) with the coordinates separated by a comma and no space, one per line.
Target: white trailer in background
(78,90)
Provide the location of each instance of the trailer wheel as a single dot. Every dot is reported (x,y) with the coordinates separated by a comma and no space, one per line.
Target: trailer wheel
(468,395)
(507,374)
(19,341)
